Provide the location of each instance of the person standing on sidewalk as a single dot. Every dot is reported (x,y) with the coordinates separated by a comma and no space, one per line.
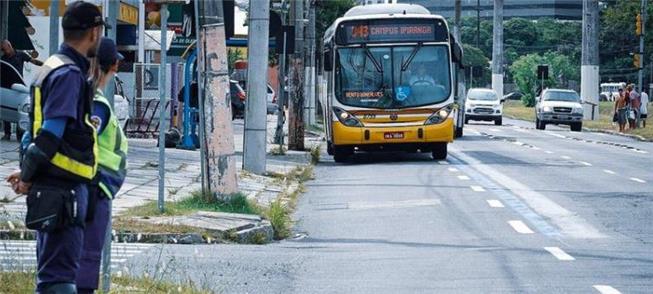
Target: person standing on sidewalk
(112,169)
(643,113)
(60,160)
(635,104)
(16,59)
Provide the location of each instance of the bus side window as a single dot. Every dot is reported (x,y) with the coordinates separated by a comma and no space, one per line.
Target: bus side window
(328,59)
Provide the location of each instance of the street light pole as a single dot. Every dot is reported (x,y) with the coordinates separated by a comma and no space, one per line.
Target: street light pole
(254,147)
(589,72)
(162,105)
(641,48)
(497,49)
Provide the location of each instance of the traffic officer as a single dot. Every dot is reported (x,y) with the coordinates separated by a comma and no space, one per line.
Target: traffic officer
(112,166)
(60,159)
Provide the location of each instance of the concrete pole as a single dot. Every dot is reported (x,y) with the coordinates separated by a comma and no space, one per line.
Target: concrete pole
(162,105)
(54,26)
(589,71)
(141,31)
(309,86)
(112,15)
(281,115)
(295,111)
(254,146)
(497,49)
(640,80)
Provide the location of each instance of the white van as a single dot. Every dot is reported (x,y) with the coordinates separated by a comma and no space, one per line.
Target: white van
(483,104)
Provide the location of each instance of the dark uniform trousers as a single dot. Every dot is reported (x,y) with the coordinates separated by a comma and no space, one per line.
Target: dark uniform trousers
(58,252)
(94,237)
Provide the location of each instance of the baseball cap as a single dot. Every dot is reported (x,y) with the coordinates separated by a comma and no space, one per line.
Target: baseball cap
(82,15)
(107,53)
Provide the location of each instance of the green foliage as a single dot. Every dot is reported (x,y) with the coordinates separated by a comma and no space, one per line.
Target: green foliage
(279,216)
(233,56)
(524,73)
(327,12)
(473,57)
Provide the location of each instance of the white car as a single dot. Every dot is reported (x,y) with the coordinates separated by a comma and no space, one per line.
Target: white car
(483,104)
(14,105)
(561,107)
(271,101)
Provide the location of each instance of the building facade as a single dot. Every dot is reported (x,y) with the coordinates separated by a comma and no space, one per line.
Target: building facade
(533,9)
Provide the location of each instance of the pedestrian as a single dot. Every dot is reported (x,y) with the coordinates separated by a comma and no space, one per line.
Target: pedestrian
(643,112)
(59,162)
(620,109)
(635,104)
(16,58)
(112,167)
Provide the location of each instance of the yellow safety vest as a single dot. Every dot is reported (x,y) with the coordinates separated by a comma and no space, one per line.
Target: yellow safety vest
(113,152)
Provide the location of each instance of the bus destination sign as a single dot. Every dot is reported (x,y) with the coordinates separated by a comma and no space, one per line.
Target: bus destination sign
(376,31)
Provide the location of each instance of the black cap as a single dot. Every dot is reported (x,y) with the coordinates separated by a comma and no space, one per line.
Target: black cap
(81,16)
(107,53)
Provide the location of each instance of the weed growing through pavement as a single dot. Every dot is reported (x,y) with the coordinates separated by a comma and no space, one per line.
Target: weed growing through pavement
(278,150)
(315,154)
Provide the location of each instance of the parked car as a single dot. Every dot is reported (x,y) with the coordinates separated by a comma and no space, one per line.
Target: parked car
(559,106)
(483,104)
(14,105)
(239,96)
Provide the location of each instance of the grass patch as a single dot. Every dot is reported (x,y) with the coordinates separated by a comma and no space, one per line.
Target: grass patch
(517,110)
(279,216)
(23,282)
(278,150)
(315,154)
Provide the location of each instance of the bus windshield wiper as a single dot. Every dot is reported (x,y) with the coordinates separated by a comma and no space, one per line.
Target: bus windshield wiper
(369,55)
(405,65)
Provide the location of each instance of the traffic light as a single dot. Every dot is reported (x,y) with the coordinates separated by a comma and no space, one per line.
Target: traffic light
(636,58)
(638,25)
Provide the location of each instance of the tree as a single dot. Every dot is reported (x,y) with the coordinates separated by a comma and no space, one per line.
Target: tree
(474,58)
(524,73)
(327,12)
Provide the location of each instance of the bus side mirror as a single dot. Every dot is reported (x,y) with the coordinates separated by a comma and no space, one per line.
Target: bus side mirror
(328,61)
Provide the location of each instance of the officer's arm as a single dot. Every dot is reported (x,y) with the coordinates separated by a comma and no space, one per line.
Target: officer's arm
(101,113)
(43,148)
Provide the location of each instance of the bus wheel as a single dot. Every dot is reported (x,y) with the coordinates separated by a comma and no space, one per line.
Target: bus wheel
(341,154)
(439,151)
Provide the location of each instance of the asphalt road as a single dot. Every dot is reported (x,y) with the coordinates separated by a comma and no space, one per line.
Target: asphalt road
(512,210)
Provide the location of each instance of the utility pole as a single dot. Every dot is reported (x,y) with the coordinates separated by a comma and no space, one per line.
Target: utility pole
(254,146)
(296,103)
(54,27)
(162,105)
(497,49)
(141,32)
(309,84)
(456,22)
(640,79)
(478,24)
(281,96)
(216,129)
(589,71)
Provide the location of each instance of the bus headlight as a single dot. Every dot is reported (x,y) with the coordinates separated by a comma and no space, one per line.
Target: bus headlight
(439,116)
(346,118)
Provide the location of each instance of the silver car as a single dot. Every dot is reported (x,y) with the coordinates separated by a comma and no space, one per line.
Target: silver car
(561,107)
(14,105)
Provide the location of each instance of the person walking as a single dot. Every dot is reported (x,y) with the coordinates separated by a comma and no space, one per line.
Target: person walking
(635,104)
(643,112)
(60,160)
(16,58)
(620,109)
(112,167)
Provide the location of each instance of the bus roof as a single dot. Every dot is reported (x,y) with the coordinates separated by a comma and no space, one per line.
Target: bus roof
(381,11)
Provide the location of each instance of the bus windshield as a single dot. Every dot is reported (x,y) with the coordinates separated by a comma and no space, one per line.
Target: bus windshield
(392,77)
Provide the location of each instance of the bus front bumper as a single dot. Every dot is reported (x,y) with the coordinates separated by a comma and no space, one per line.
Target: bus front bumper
(391,135)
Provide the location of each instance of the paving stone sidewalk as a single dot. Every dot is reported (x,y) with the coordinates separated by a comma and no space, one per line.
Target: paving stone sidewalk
(182,174)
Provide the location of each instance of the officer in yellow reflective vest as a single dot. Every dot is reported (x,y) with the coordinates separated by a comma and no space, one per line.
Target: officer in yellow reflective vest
(59,152)
(112,160)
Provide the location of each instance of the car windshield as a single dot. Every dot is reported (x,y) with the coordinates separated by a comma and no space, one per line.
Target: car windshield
(561,96)
(482,95)
(393,77)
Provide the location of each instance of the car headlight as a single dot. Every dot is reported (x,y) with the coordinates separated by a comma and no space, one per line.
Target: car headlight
(439,116)
(578,110)
(546,109)
(346,118)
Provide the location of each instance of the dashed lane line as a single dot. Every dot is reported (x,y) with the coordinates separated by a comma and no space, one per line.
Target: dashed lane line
(463,178)
(565,157)
(548,152)
(638,180)
(605,289)
(607,171)
(495,203)
(443,162)
(555,135)
(477,188)
(453,169)
(559,253)
(585,163)
(520,227)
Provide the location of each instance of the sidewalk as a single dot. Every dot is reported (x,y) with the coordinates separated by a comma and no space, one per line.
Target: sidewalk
(182,174)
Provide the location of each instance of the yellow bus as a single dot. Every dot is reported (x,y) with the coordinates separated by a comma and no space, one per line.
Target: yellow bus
(391,75)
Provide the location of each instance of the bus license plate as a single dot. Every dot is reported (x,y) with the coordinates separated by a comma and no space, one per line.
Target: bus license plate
(394,135)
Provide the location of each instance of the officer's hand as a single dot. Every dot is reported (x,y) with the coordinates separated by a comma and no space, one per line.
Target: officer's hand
(17,185)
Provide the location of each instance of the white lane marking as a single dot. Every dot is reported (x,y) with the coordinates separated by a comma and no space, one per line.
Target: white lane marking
(605,289)
(453,169)
(559,253)
(477,188)
(443,162)
(555,135)
(535,148)
(495,130)
(520,227)
(392,204)
(518,143)
(548,152)
(565,157)
(607,171)
(463,178)
(585,163)
(569,222)
(495,203)
(637,180)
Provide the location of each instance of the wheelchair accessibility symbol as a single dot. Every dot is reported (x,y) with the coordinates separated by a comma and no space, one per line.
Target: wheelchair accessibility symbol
(401,93)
